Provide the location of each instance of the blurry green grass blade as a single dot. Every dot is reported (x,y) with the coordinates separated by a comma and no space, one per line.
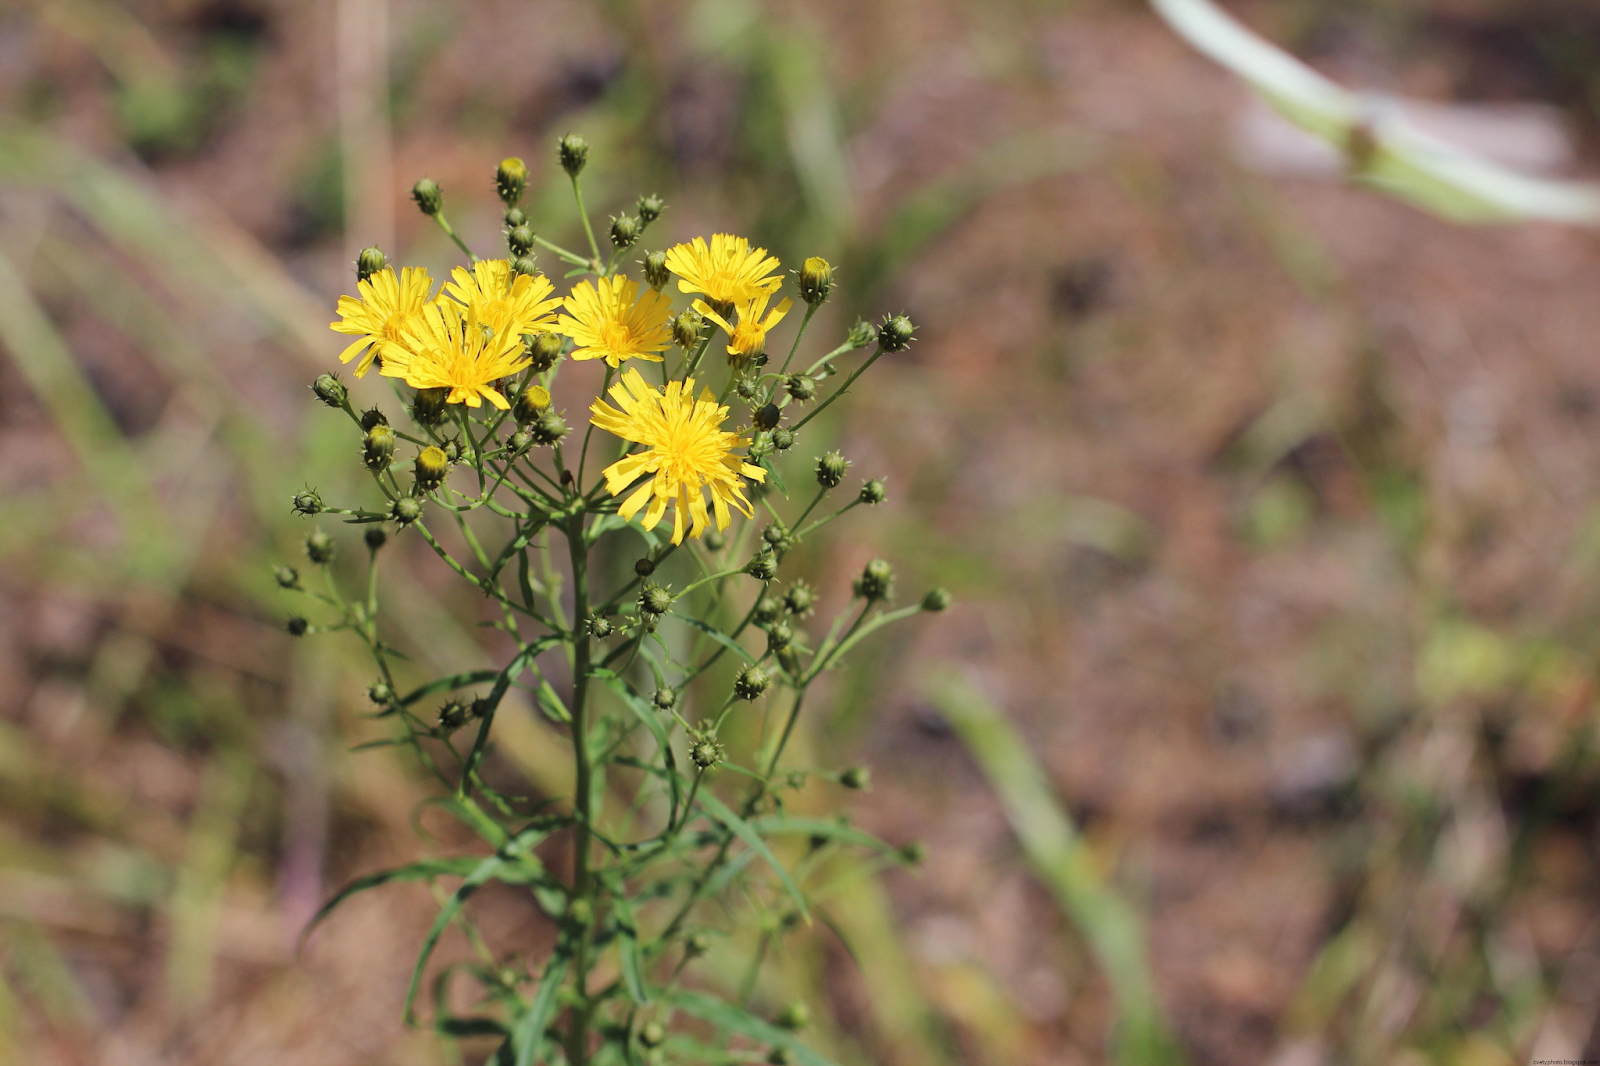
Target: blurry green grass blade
(797,63)
(734,1019)
(528,1035)
(1403,161)
(208,859)
(747,833)
(45,975)
(1057,853)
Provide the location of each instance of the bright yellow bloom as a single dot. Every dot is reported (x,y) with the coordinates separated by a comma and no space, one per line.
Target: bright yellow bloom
(686,450)
(727,271)
(616,321)
(504,301)
(443,350)
(381,316)
(749,337)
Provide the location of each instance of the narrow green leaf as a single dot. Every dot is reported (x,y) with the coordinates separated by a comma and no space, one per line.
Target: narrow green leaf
(716,635)
(747,833)
(449,684)
(776,824)
(417,871)
(734,1019)
(628,948)
(528,1035)
(479,876)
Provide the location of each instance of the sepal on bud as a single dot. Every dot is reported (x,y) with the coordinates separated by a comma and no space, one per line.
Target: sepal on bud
(378,447)
(655,270)
(873,492)
(936,600)
(543,351)
(751,682)
(830,469)
(574,153)
(428,195)
(816,280)
(427,407)
(510,179)
(876,581)
(624,231)
(307,502)
(329,390)
(896,334)
(431,467)
(370,261)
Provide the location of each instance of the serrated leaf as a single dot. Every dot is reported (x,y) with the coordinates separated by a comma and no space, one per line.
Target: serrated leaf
(747,833)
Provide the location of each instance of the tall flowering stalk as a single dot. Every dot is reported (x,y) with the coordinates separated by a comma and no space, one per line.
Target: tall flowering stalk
(669,854)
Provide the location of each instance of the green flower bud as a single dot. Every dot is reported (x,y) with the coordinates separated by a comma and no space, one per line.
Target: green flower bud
(876,581)
(861,334)
(802,387)
(655,270)
(775,536)
(600,626)
(406,510)
(706,752)
(319,547)
(715,540)
(373,417)
(525,264)
(427,407)
(913,853)
(624,231)
(378,448)
(696,944)
(779,636)
(547,428)
(666,698)
(380,693)
(574,152)
(816,280)
(800,599)
(856,777)
(520,240)
(519,442)
(478,709)
(767,417)
(431,467)
(328,390)
(580,912)
(428,195)
(653,599)
(652,1034)
(764,567)
(287,576)
(644,567)
(296,626)
(375,538)
(936,600)
(650,208)
(793,1017)
(307,502)
(830,469)
(747,387)
(783,438)
(531,403)
(455,449)
(779,1056)
(873,492)
(543,351)
(370,261)
(767,610)
(751,682)
(452,716)
(895,335)
(510,179)
(686,326)
(514,217)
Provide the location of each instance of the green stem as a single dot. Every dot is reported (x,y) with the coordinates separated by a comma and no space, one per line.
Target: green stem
(583,884)
(840,391)
(571,258)
(449,230)
(588,230)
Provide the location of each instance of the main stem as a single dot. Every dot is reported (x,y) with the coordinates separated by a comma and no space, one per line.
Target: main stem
(582,882)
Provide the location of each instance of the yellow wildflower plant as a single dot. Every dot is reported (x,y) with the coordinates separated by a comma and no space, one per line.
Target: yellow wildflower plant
(614,320)
(749,337)
(380,317)
(505,301)
(443,350)
(727,270)
(687,453)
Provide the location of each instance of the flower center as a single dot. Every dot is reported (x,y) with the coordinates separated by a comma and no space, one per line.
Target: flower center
(616,337)
(749,338)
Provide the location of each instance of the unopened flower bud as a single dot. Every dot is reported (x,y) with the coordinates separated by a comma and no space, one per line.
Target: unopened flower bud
(543,351)
(428,195)
(802,387)
(520,240)
(706,752)
(779,636)
(697,944)
(527,265)
(375,537)
(510,179)
(793,1017)
(856,777)
(936,600)
(895,335)
(373,417)
(861,334)
(655,270)
(783,438)
(378,447)
(431,467)
(747,387)
(666,698)
(296,626)
(514,217)
(779,1056)
(767,416)
(873,492)
(751,682)
(816,280)
(319,547)
(307,502)
(767,610)
(775,536)
(370,261)
(427,408)
(652,1034)
(624,231)
(650,208)
(406,510)
(574,152)
(478,709)
(580,912)
(288,577)
(644,567)
(715,540)
(380,693)
(913,853)
(455,449)
(600,626)
(653,599)
(329,390)
(686,326)
(452,716)
(830,469)
(519,442)
(547,428)
(531,403)
(876,581)
(764,567)
(800,599)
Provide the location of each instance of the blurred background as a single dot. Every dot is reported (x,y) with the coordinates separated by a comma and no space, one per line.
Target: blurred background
(1268,504)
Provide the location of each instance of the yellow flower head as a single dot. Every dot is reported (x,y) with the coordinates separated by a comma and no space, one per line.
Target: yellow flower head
(616,321)
(686,450)
(727,271)
(382,314)
(504,301)
(442,350)
(749,337)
